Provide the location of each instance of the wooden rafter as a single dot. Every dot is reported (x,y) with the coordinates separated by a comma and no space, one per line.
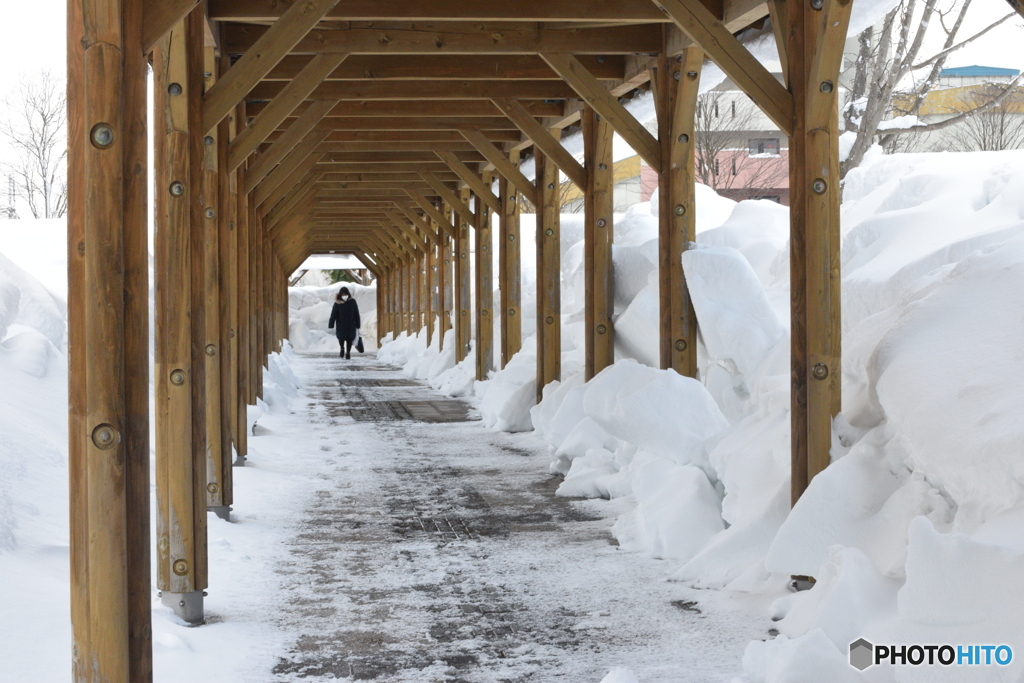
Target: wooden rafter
(283,145)
(432,211)
(475,183)
(261,56)
(544,140)
(453,200)
(723,48)
(279,108)
(501,162)
(607,105)
(159,17)
(301,159)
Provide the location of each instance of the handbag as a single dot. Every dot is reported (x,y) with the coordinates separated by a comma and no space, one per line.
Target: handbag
(359,342)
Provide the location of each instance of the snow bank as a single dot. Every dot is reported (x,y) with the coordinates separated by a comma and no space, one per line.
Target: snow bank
(33,457)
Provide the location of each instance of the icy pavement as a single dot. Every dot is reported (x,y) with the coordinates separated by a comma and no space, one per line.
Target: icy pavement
(435,550)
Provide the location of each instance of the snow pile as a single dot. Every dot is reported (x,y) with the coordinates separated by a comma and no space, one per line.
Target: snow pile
(309,311)
(33,453)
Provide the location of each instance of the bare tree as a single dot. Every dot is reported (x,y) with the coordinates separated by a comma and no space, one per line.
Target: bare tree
(727,157)
(34,126)
(890,56)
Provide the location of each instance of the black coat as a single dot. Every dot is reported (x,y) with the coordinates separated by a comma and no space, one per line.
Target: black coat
(346,316)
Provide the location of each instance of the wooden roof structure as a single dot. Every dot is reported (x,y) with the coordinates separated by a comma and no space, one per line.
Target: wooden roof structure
(392,130)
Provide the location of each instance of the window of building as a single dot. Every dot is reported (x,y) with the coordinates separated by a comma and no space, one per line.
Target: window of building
(734,165)
(764,147)
(733,103)
(716,166)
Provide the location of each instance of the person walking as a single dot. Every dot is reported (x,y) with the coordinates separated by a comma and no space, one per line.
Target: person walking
(345,320)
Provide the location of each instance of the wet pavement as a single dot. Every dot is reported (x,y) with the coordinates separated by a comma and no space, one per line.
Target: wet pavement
(436,550)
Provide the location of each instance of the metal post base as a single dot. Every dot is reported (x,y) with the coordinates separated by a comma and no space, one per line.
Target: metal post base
(222,511)
(187,606)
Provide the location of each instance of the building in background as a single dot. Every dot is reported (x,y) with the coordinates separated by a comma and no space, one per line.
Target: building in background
(959,90)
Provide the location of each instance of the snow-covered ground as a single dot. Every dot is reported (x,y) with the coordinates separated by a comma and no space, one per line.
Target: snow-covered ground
(915,532)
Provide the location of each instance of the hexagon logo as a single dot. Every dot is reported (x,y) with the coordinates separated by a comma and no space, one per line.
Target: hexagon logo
(861,654)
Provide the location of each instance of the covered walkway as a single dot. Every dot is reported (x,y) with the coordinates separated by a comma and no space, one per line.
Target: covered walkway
(438,551)
(398,131)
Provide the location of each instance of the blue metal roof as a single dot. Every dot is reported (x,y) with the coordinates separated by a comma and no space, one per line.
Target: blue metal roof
(977,71)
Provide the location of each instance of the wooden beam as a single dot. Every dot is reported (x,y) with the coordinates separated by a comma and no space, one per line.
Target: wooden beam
(264,52)
(607,105)
(429,108)
(676,103)
(159,17)
(412,39)
(283,103)
(389,123)
(433,212)
(545,141)
(453,200)
(479,187)
(296,132)
(496,136)
(418,90)
(504,166)
(466,10)
(598,235)
(459,145)
(704,29)
(392,157)
(448,67)
(297,162)
(420,222)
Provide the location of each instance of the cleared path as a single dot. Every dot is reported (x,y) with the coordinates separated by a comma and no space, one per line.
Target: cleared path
(437,551)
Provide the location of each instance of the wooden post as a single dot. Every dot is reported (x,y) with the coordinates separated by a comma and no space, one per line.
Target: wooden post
(243,216)
(424,291)
(814,50)
(218,439)
(484,268)
(509,268)
(255,364)
(227,215)
(598,235)
(108,343)
(463,321)
(676,82)
(180,337)
(430,292)
(549,304)
(449,277)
